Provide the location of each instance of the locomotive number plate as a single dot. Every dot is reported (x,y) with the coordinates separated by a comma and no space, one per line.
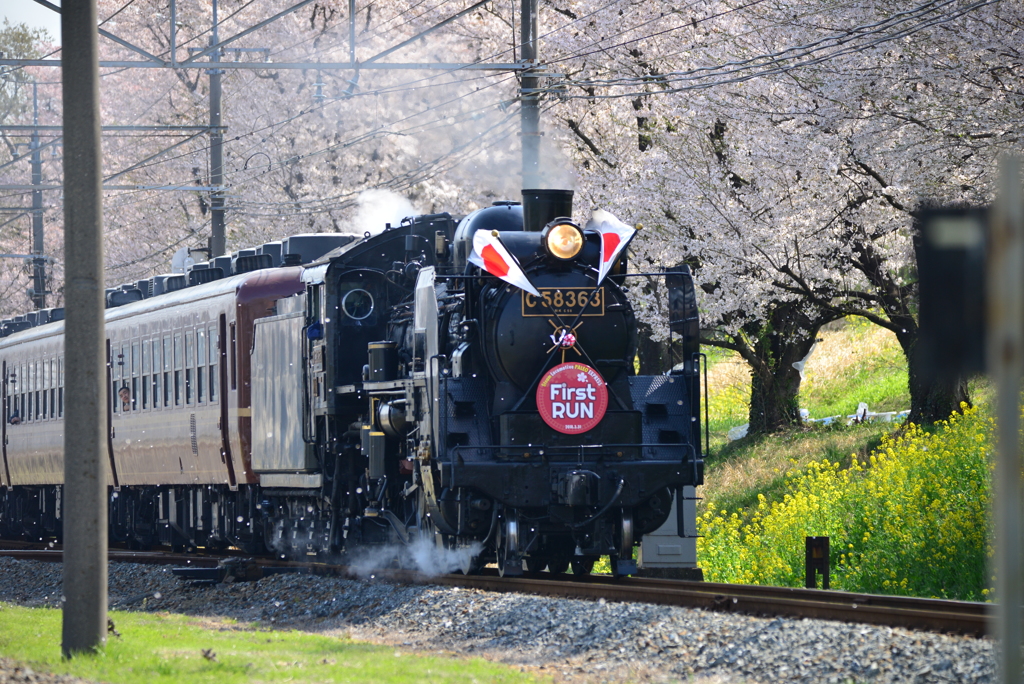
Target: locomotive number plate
(564,301)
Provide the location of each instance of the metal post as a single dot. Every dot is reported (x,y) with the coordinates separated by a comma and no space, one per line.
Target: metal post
(530,99)
(352,31)
(38,264)
(174,33)
(85,462)
(1006,368)
(816,562)
(218,243)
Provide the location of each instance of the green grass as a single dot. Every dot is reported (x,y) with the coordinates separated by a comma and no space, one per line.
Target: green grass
(156,648)
(858,362)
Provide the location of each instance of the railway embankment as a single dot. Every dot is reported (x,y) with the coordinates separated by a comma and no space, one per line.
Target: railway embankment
(561,639)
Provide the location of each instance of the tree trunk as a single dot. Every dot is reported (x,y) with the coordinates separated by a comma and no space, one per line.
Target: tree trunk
(771,349)
(775,382)
(931,400)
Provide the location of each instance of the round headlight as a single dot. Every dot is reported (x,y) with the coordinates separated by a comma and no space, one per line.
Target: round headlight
(564,240)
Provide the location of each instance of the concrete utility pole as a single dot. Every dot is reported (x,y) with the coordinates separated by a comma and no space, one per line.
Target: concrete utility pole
(218,241)
(530,98)
(1006,368)
(38,263)
(85,444)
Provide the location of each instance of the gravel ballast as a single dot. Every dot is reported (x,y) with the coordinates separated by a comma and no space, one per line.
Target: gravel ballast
(565,639)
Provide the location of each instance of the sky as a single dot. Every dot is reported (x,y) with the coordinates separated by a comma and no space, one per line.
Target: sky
(31,13)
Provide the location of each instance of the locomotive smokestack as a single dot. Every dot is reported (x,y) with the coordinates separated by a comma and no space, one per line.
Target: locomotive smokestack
(540,207)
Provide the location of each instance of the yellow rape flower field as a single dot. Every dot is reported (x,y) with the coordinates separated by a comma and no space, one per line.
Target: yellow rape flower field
(911,519)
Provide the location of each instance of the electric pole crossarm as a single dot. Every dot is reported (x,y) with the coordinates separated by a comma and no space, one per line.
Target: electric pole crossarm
(256,66)
(28,127)
(218,45)
(183,186)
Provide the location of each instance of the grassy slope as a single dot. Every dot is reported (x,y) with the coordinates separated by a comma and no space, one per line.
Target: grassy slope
(853,362)
(157,648)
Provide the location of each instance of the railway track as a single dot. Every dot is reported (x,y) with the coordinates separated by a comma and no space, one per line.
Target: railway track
(961,617)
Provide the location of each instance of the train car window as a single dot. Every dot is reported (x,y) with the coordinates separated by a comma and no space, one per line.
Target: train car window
(234,364)
(214,358)
(53,402)
(177,370)
(28,415)
(125,361)
(41,394)
(60,386)
(200,364)
(190,359)
(145,375)
(201,347)
(156,373)
(168,361)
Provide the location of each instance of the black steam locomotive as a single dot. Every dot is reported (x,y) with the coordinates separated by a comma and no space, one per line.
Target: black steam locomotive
(469,384)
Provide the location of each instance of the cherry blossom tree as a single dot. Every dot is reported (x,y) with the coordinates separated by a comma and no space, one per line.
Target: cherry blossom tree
(782,150)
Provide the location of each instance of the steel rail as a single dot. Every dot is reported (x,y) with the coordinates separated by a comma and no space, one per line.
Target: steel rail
(937,615)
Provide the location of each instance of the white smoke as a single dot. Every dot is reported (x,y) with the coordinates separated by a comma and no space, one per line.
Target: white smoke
(377,208)
(421,555)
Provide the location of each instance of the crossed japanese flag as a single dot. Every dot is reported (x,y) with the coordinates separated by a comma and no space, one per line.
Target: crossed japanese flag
(492,256)
(615,235)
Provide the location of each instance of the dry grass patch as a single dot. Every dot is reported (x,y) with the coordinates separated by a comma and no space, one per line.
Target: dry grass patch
(741,470)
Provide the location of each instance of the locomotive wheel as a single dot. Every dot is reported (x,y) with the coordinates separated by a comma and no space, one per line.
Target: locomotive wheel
(582,565)
(510,563)
(624,534)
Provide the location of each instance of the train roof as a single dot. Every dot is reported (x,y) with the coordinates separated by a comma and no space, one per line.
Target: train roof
(216,288)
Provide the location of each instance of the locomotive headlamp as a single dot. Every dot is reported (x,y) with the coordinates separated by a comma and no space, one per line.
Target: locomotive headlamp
(563,240)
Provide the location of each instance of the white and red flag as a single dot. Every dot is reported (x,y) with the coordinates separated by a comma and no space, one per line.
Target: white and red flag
(615,235)
(492,256)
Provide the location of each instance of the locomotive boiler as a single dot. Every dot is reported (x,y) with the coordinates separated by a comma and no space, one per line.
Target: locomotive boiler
(465,384)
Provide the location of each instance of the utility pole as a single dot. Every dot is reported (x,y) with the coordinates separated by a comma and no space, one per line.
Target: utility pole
(1006,368)
(529,97)
(86,461)
(218,242)
(38,263)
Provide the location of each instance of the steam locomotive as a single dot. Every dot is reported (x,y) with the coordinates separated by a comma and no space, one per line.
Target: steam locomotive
(469,384)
